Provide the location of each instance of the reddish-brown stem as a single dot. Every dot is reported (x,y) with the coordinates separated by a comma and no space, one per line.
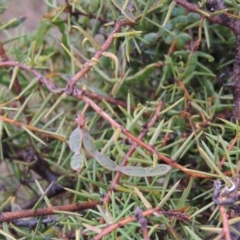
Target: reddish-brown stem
(226,231)
(16,84)
(40,77)
(148,212)
(30,127)
(51,86)
(8,216)
(87,66)
(230,147)
(132,150)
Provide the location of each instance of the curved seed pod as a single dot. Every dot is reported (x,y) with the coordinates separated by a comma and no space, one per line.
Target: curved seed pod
(105,161)
(75,140)
(128,14)
(92,150)
(159,170)
(118,3)
(87,142)
(76,162)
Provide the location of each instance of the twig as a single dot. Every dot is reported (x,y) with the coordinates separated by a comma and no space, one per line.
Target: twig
(230,147)
(224,197)
(58,91)
(9,216)
(132,150)
(16,83)
(110,228)
(51,86)
(87,66)
(226,230)
(30,127)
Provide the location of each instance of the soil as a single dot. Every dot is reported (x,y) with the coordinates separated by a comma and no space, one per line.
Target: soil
(33,10)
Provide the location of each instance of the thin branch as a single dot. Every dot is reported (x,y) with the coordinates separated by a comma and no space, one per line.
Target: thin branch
(226,230)
(16,83)
(30,127)
(51,86)
(132,150)
(112,227)
(87,66)
(224,197)
(230,147)
(9,216)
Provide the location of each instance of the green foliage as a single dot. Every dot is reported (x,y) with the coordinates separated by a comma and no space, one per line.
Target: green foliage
(152,60)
